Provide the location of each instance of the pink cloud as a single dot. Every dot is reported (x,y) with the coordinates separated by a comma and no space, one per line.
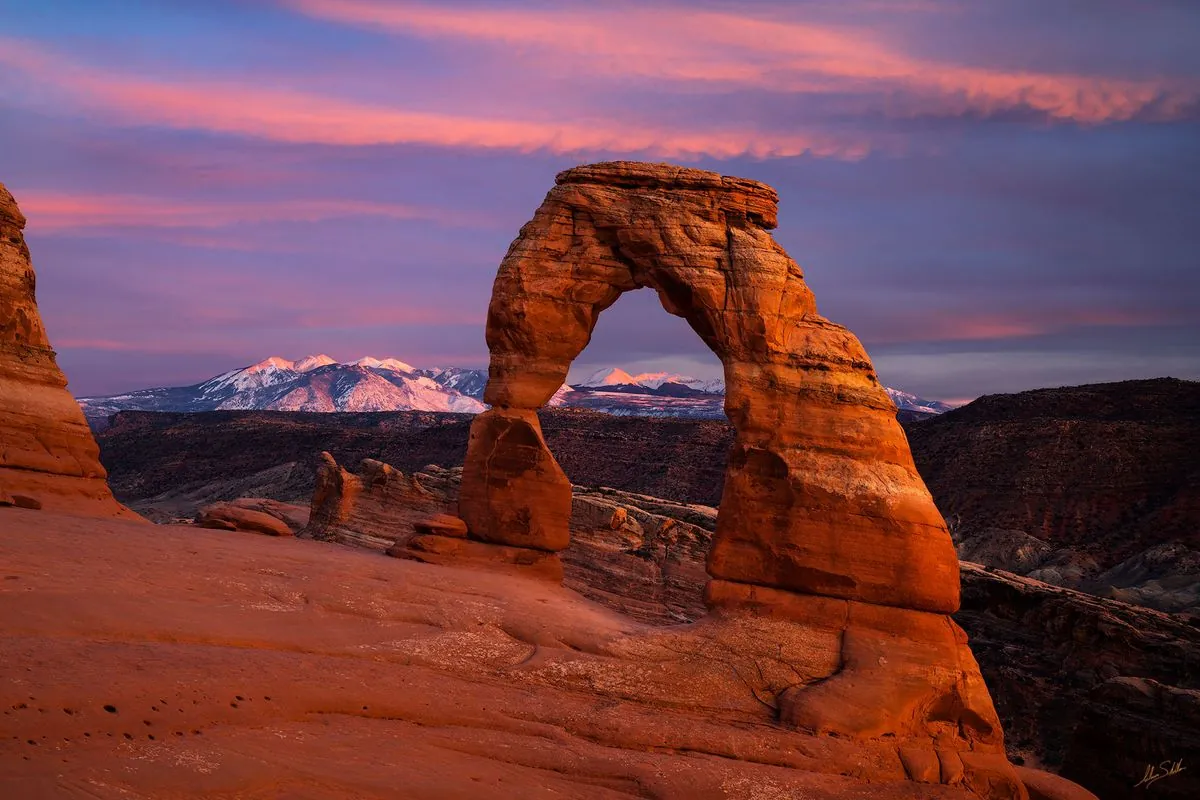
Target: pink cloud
(729,49)
(59,211)
(287,115)
(956,326)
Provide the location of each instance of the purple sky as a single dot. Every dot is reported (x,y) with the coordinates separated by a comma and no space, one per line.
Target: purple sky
(994,196)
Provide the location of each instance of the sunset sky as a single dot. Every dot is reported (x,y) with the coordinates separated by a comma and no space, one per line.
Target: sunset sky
(994,196)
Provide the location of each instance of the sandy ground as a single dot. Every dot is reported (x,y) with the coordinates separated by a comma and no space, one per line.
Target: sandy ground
(141,661)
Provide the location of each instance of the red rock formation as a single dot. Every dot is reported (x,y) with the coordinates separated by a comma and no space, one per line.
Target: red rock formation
(374,508)
(47,452)
(821,494)
(229,516)
(824,521)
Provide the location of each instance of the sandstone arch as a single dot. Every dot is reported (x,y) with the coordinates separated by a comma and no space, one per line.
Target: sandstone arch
(824,521)
(821,495)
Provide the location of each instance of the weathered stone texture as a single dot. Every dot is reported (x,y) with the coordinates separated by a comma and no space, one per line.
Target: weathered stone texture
(821,494)
(47,452)
(824,523)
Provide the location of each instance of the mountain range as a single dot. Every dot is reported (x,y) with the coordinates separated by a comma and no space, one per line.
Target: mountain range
(320,383)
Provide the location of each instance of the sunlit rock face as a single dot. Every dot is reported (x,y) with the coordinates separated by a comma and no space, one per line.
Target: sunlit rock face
(824,523)
(47,452)
(821,495)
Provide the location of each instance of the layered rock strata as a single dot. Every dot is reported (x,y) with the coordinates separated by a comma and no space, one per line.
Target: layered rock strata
(47,453)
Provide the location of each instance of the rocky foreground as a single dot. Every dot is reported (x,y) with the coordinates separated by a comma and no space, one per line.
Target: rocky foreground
(1095,688)
(150,661)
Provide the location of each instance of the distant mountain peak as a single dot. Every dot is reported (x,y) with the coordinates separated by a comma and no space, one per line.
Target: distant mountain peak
(615,376)
(609,376)
(271,362)
(319,383)
(394,364)
(309,363)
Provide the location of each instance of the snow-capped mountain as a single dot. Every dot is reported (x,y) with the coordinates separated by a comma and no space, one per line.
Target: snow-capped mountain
(910,402)
(313,383)
(319,383)
(615,376)
(470,382)
(613,390)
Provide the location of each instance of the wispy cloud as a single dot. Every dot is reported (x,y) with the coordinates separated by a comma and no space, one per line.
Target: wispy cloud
(739,50)
(922,325)
(60,211)
(287,115)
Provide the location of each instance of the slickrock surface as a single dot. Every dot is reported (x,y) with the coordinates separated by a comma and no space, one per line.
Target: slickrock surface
(173,661)
(1043,650)
(821,495)
(47,451)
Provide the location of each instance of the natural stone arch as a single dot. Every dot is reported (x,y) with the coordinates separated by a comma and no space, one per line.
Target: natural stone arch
(821,495)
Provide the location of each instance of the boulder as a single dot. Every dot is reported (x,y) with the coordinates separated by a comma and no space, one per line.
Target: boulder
(25,501)
(374,508)
(294,516)
(224,515)
(1048,786)
(46,448)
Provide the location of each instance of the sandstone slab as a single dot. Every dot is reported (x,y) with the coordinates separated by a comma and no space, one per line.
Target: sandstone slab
(237,666)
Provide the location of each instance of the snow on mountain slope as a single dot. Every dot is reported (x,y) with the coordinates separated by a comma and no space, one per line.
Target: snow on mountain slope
(655,380)
(910,402)
(309,363)
(393,364)
(470,382)
(313,383)
(615,376)
(609,376)
(318,383)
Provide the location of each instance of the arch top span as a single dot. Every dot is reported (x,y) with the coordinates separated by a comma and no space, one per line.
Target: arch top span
(754,199)
(821,495)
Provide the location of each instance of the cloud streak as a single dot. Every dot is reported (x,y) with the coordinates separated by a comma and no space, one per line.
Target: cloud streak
(52,212)
(727,50)
(286,115)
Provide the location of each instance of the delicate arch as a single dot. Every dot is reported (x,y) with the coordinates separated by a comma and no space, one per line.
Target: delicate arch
(821,495)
